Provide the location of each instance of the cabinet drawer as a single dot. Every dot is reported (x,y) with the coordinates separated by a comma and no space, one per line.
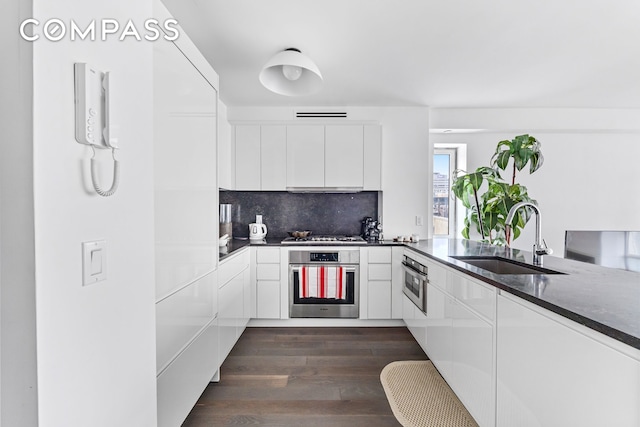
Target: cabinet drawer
(231,267)
(380,255)
(181,316)
(437,275)
(379,271)
(268,272)
(476,296)
(268,255)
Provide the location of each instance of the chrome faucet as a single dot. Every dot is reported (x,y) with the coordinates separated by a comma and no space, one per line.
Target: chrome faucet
(540,246)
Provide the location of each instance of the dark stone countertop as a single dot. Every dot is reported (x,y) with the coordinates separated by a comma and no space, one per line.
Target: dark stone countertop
(604,299)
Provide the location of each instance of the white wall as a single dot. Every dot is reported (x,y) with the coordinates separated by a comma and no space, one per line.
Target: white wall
(406,159)
(18,390)
(96,344)
(588,180)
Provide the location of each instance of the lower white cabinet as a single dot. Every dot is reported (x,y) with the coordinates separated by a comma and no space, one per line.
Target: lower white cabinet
(472,368)
(267,280)
(377,279)
(458,334)
(552,372)
(439,330)
(416,321)
(234,297)
(181,383)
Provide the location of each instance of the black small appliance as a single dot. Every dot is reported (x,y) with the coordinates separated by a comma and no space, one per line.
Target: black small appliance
(370,230)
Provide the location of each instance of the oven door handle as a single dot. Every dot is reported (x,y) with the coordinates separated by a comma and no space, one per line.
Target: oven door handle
(415,273)
(347,267)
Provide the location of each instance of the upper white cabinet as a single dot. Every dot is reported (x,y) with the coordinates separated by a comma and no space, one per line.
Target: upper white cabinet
(247,157)
(273,157)
(344,156)
(305,156)
(372,158)
(277,157)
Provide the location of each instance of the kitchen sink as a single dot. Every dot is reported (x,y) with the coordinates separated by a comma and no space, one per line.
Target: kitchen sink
(499,265)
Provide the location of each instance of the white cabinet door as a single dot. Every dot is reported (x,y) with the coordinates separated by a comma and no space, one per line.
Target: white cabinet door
(472,365)
(372,158)
(305,156)
(343,161)
(552,375)
(247,146)
(230,300)
(267,286)
(268,299)
(440,330)
(273,158)
(416,321)
(184,159)
(379,299)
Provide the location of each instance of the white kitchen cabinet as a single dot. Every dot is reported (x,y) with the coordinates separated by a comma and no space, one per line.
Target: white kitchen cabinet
(186,231)
(415,320)
(233,293)
(397,280)
(273,157)
(554,372)
(182,316)
(439,330)
(247,157)
(378,281)
(305,156)
(344,156)
(372,158)
(266,282)
(472,367)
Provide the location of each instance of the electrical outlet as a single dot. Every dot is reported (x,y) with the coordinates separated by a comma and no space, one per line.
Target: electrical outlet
(419,220)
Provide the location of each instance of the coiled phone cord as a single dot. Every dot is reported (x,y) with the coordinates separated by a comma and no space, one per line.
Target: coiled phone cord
(116,175)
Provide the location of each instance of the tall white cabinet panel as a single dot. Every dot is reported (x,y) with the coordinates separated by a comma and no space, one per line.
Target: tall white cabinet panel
(343,160)
(247,146)
(273,158)
(550,374)
(185,187)
(372,174)
(186,230)
(305,156)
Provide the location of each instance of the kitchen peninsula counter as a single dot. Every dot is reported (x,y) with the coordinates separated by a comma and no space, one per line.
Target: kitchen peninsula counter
(604,299)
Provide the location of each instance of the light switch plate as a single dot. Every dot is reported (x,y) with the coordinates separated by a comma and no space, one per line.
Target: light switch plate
(94,262)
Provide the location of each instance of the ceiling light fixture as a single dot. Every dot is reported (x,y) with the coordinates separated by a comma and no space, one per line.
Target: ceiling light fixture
(291,73)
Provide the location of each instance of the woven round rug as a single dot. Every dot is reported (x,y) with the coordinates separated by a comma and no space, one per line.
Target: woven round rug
(420,397)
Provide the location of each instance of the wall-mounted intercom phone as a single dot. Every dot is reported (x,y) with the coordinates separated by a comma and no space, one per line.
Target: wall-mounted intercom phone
(93,118)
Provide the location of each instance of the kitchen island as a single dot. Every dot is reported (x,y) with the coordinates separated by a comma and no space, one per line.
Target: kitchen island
(604,299)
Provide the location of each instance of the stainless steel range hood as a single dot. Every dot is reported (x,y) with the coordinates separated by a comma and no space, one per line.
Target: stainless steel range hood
(325,189)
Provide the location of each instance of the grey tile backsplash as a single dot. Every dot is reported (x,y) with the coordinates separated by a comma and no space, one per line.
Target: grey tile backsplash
(321,213)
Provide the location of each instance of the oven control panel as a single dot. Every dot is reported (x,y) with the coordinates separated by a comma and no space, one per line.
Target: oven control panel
(324,257)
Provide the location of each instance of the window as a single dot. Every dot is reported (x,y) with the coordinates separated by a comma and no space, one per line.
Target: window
(444,163)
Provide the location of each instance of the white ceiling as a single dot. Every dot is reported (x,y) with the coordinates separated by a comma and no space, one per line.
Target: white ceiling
(439,53)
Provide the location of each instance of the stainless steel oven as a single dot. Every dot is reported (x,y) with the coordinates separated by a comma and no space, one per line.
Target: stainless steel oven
(324,283)
(416,277)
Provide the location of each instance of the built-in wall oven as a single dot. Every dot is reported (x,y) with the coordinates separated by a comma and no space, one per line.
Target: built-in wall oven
(416,277)
(324,283)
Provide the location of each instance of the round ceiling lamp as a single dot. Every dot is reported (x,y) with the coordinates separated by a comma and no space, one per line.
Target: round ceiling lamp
(291,73)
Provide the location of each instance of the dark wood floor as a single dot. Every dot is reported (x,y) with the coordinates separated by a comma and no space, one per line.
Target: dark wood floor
(305,377)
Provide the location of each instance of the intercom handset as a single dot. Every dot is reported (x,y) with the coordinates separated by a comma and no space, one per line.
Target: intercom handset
(94,125)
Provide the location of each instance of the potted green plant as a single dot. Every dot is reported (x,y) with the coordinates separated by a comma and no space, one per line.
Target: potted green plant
(488,198)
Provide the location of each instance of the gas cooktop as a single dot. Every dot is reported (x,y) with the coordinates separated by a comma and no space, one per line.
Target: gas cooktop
(314,240)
